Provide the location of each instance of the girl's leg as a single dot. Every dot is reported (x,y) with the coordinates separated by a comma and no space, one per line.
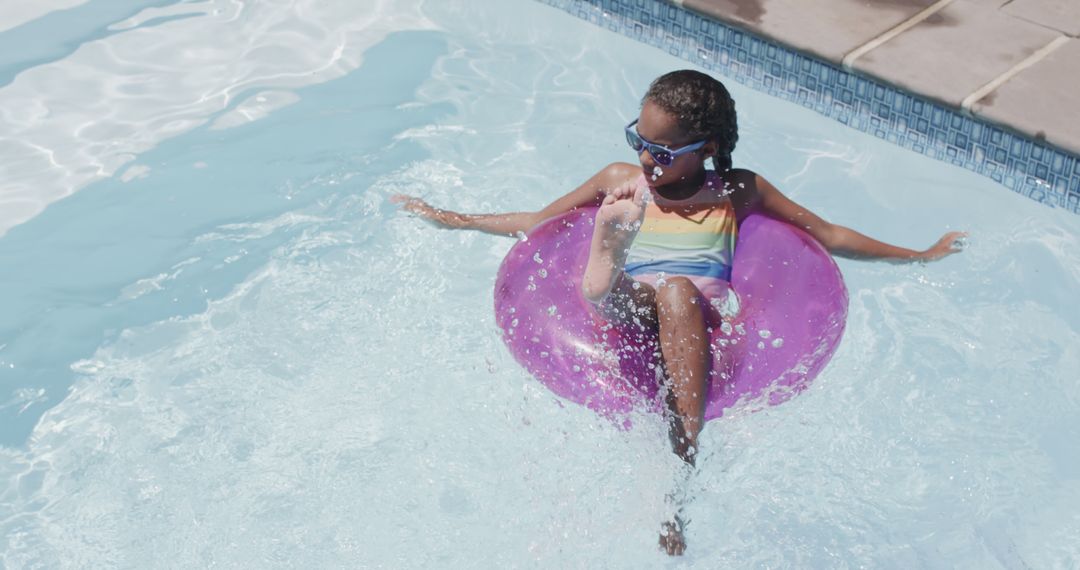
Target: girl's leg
(679,311)
(617,222)
(631,302)
(684,342)
(676,308)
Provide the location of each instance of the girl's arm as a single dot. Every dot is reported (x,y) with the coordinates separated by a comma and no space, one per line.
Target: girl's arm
(591,193)
(839,240)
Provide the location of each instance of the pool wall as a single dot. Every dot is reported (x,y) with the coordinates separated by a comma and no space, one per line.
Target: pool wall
(1040,171)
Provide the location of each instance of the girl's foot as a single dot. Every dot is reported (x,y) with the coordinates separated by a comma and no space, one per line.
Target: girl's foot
(672,540)
(617,222)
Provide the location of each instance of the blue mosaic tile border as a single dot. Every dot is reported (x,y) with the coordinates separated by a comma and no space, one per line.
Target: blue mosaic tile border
(1034,169)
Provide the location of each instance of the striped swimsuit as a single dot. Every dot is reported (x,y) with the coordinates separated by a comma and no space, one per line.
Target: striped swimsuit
(693,237)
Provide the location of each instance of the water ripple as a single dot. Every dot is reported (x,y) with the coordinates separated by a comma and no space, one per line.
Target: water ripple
(78,119)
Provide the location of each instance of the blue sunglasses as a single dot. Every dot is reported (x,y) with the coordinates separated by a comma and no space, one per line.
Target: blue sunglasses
(663,155)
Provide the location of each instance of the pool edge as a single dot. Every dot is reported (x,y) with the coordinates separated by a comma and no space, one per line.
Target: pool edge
(1033,168)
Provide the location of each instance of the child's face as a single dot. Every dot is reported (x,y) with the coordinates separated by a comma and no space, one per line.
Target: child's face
(660,127)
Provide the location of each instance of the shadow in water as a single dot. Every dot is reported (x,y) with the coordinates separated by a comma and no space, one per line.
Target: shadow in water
(65,270)
(58,34)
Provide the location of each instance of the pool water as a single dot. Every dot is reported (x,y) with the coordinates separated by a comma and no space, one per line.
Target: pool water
(221,344)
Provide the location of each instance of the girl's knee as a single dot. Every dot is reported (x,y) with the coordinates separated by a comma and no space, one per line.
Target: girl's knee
(678,294)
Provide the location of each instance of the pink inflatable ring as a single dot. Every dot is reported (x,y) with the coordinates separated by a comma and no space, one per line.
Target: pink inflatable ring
(792,300)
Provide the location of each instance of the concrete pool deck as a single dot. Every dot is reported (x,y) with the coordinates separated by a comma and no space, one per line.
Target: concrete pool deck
(1011,62)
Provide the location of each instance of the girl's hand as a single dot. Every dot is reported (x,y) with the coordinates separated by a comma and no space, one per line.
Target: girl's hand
(949,244)
(414,205)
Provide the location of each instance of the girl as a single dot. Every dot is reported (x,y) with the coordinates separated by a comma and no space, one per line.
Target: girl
(665,233)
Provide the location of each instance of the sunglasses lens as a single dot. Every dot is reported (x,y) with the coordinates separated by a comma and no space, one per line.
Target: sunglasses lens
(634,140)
(662,157)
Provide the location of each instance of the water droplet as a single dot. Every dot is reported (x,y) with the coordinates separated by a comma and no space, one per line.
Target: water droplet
(552,310)
(542,273)
(760,345)
(764,333)
(536,257)
(740,329)
(777,342)
(725,327)
(657,172)
(521,236)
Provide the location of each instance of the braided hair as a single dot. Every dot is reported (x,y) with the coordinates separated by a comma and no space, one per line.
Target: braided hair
(703,108)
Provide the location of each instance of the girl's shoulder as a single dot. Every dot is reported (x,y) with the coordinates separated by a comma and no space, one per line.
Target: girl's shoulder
(620,172)
(738,183)
(741,186)
(734,176)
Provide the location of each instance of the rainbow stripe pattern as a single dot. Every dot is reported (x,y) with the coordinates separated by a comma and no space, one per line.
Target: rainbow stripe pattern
(692,237)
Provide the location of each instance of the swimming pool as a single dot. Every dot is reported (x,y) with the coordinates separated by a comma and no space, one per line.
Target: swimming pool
(224,345)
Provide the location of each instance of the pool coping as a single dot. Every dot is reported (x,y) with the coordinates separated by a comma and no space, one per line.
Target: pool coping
(852,76)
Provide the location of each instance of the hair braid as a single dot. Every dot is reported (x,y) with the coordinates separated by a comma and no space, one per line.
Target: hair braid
(703,108)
